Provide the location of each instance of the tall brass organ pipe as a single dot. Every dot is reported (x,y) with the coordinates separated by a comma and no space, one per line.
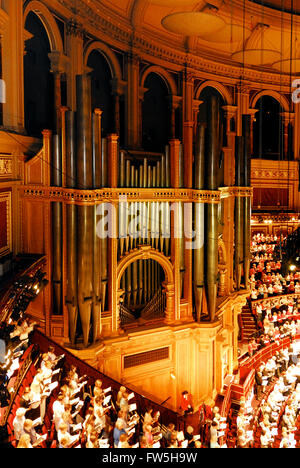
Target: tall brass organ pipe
(239,213)
(199,221)
(213,153)
(181,221)
(71,214)
(247,200)
(142,279)
(85,212)
(97,278)
(57,228)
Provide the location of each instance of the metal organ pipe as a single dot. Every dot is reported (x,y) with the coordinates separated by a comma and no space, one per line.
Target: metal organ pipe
(213,153)
(199,210)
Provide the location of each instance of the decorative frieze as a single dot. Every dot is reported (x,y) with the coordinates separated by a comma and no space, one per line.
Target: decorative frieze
(119,30)
(5,166)
(115,195)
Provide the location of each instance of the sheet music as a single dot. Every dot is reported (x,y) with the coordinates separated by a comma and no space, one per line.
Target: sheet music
(77,427)
(37,422)
(106,400)
(53,385)
(74,402)
(40,440)
(132,407)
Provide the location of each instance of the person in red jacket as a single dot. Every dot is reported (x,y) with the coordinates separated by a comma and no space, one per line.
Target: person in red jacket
(186,403)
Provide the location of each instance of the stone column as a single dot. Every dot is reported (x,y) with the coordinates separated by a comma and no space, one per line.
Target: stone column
(112,147)
(169,290)
(252,112)
(173,103)
(188,127)
(297,133)
(288,119)
(75,34)
(117,91)
(196,105)
(133,118)
(13,68)
(242,106)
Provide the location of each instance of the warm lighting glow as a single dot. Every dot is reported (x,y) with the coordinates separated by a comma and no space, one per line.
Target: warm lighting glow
(293,267)
(229,33)
(173,3)
(173,376)
(194,23)
(288,65)
(256,56)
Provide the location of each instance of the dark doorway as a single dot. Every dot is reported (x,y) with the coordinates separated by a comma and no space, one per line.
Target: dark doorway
(156,114)
(38,79)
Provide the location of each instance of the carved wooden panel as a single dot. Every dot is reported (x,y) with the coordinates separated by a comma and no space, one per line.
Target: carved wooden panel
(5,223)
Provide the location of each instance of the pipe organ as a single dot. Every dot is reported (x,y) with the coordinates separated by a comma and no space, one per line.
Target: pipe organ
(145,194)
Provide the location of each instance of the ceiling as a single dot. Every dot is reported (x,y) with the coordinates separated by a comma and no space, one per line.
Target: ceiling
(148,18)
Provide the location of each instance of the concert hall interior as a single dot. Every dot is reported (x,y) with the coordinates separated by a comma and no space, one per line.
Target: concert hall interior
(150,223)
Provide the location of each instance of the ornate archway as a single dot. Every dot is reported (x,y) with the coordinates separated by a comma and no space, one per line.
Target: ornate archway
(47,19)
(222,90)
(275,95)
(148,253)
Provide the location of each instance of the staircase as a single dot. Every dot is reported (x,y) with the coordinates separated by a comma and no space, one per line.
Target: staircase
(248,323)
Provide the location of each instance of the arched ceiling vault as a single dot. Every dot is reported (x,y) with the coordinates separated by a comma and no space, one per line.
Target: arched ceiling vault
(146,17)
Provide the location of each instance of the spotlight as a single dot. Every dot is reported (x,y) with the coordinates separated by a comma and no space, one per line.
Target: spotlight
(293,267)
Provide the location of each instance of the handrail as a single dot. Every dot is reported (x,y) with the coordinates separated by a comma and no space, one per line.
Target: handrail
(275,297)
(20,377)
(167,415)
(7,303)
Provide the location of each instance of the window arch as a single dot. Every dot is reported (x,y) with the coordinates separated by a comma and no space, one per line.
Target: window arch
(102,97)
(155,114)
(268,129)
(205,96)
(38,79)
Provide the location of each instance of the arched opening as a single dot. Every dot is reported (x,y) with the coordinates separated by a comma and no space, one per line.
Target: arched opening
(155,114)
(102,97)
(268,129)
(205,96)
(38,79)
(143,297)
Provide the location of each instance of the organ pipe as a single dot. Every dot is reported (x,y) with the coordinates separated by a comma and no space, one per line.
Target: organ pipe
(199,221)
(247,200)
(213,152)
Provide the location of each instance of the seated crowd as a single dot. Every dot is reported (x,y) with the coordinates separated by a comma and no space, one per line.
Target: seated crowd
(270,419)
(55,407)
(87,418)
(276,317)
